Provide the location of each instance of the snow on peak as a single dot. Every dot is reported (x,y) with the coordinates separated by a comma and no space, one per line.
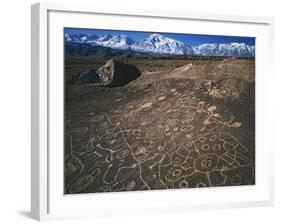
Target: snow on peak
(105,38)
(156,37)
(228,49)
(117,41)
(159,44)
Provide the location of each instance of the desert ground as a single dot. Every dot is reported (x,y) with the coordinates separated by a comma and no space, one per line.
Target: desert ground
(182,123)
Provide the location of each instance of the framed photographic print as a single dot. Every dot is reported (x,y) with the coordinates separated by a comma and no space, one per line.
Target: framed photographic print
(148,111)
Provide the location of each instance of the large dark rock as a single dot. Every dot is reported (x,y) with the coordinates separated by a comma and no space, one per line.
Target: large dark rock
(89,77)
(112,74)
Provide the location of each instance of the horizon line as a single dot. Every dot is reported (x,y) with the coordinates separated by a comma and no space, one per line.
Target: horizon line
(189,39)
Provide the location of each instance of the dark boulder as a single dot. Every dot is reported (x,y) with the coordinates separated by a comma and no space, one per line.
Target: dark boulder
(112,74)
(89,77)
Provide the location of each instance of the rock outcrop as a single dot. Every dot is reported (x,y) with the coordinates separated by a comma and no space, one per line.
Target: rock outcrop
(112,74)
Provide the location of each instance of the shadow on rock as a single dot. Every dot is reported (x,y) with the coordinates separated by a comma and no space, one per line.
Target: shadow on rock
(112,74)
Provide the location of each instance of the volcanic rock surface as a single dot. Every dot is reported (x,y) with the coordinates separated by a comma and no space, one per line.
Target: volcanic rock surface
(184,127)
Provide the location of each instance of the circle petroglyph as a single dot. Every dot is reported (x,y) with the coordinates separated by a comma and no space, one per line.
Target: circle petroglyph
(153,123)
(183,184)
(206,162)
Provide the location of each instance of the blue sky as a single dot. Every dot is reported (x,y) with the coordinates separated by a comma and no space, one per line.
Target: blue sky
(190,39)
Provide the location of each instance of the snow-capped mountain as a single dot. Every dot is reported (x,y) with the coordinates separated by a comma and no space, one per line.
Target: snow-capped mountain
(118,42)
(81,38)
(156,43)
(231,49)
(159,44)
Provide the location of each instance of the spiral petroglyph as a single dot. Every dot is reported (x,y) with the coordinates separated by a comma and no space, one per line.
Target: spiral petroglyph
(182,123)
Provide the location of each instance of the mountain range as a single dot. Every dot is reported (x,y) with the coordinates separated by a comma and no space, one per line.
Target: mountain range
(160,45)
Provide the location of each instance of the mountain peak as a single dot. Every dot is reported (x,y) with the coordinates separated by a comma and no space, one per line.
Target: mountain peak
(159,44)
(105,37)
(225,50)
(155,36)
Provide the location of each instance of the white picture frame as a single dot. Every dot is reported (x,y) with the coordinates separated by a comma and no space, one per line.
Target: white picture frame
(47,199)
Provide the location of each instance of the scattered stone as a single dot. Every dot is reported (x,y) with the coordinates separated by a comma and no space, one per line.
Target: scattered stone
(146,105)
(236,124)
(212,108)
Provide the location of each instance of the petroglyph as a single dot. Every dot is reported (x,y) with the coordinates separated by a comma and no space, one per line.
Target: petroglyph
(156,134)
